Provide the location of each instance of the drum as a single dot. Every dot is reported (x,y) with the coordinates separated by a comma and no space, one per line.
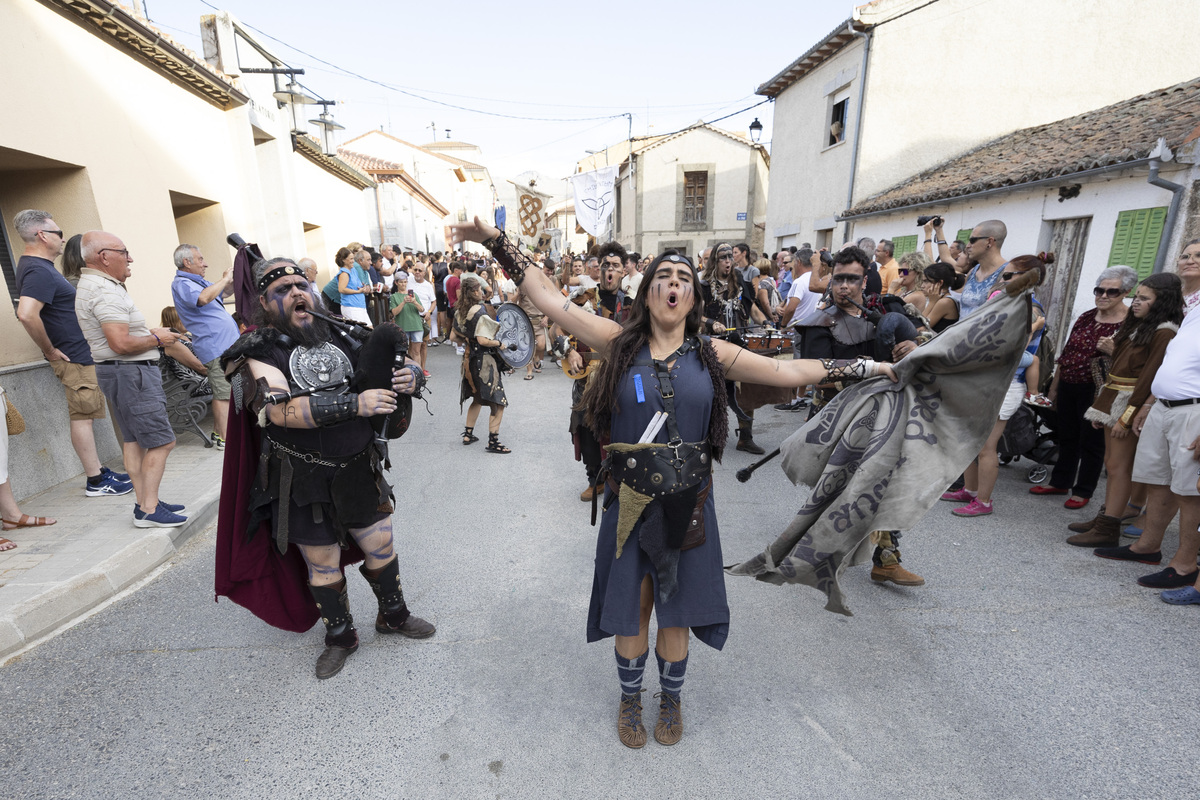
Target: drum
(767,343)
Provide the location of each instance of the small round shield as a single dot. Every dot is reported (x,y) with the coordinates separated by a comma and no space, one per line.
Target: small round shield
(515,328)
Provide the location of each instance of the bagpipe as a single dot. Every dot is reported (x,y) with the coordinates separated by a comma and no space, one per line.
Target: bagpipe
(379,353)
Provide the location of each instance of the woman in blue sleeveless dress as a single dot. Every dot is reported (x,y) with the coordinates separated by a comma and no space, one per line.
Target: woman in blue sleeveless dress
(647,556)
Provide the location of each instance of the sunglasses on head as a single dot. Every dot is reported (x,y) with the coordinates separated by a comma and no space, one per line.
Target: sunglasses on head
(1100,291)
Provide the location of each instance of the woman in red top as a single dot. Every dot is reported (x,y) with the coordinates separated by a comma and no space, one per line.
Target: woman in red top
(1139,346)
(1080,446)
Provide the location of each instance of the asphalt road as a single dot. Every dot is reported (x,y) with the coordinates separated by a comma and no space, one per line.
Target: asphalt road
(1025,668)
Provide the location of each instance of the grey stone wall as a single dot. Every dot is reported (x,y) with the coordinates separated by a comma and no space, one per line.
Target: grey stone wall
(43,456)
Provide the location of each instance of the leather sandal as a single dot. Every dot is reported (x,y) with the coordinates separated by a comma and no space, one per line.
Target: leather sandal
(27,521)
(7,544)
(494,446)
(468,436)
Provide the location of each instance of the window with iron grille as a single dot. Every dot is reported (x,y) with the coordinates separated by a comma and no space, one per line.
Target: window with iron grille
(695,198)
(8,264)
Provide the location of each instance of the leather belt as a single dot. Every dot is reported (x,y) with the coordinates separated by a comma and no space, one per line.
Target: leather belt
(153,362)
(1176,403)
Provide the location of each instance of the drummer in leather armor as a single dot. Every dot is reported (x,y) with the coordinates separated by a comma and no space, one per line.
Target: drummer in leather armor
(725,315)
(658,395)
(320,481)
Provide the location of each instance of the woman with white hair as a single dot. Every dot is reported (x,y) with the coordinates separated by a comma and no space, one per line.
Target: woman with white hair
(1080,372)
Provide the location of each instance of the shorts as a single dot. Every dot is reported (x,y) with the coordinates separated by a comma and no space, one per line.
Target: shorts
(416,337)
(443,304)
(84,400)
(139,404)
(1163,458)
(216,379)
(1012,400)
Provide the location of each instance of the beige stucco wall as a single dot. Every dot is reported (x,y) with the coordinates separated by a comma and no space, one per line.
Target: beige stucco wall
(101,140)
(133,135)
(660,173)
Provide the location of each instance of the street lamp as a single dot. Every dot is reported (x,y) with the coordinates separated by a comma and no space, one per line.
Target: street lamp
(294,96)
(755,130)
(325,122)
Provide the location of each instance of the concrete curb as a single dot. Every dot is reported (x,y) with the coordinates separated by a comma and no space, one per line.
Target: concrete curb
(65,602)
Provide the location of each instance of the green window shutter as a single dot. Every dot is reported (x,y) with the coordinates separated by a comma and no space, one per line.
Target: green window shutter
(964,235)
(903,245)
(1136,239)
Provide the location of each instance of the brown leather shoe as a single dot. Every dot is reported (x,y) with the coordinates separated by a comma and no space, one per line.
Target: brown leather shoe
(414,627)
(897,575)
(1087,525)
(669,728)
(630,729)
(333,658)
(750,446)
(1105,533)
(587,494)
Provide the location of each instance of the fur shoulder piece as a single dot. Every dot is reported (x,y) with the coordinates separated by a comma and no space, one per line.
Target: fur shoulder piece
(1168,326)
(252,344)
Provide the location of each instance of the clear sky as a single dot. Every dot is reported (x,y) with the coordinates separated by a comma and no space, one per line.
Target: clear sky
(567,68)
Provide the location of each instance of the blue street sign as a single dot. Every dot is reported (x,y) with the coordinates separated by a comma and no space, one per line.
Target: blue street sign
(741,216)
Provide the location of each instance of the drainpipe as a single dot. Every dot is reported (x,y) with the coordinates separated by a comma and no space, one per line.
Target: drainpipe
(1158,155)
(862,88)
(379,212)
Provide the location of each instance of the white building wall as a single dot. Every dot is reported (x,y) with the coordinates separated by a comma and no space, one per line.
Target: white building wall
(954,74)
(1001,66)
(1029,215)
(811,179)
(660,173)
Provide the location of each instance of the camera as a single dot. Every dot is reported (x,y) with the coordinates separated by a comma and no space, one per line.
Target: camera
(936,220)
(826,258)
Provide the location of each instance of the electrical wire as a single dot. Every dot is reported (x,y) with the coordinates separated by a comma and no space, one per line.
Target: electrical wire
(399,90)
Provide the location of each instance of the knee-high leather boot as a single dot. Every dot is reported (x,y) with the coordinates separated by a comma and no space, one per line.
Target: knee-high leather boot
(745,441)
(341,639)
(394,616)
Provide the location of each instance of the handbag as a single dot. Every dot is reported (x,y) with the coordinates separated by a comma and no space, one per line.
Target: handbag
(13,418)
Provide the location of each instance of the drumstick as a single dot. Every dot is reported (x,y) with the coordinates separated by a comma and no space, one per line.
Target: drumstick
(662,420)
(649,426)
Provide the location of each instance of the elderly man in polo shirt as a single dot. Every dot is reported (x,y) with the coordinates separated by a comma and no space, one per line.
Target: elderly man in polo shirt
(213,330)
(126,355)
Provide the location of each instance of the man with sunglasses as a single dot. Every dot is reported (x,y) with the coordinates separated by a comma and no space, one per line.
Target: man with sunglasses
(46,309)
(842,331)
(983,250)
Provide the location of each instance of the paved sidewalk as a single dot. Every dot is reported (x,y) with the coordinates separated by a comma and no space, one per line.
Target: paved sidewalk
(60,572)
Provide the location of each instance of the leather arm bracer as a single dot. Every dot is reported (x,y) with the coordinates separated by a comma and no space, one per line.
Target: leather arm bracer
(333,409)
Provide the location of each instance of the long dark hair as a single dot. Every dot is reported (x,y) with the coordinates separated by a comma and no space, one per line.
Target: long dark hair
(72,259)
(1167,307)
(599,398)
(732,286)
(463,302)
(942,273)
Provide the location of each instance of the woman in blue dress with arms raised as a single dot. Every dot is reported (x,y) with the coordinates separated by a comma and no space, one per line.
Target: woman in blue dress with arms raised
(659,398)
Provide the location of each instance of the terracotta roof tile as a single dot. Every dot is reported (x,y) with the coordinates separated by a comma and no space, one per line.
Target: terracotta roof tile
(1116,134)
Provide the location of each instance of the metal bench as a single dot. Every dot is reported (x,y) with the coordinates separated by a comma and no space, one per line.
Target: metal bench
(188,398)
